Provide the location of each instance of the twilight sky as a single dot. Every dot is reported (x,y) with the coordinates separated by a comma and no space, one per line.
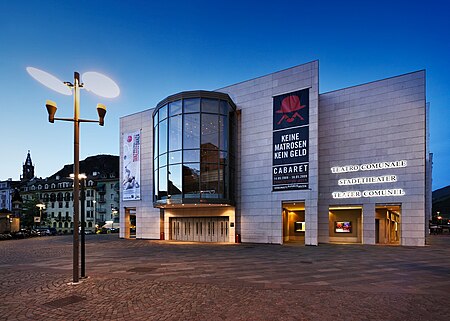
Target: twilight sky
(155,49)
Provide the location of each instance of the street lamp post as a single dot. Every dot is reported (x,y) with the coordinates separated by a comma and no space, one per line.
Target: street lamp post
(41,207)
(98,84)
(83,227)
(95,213)
(82,180)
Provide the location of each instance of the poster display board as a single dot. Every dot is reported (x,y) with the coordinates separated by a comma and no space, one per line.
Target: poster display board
(131,166)
(290,166)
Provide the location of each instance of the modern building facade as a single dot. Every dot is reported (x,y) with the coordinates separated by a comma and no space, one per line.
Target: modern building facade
(270,160)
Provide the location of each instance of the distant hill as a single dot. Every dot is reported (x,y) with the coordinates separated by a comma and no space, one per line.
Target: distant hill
(98,163)
(441,201)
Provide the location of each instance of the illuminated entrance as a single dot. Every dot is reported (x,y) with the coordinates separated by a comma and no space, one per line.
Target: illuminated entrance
(130,222)
(294,225)
(200,229)
(345,224)
(387,224)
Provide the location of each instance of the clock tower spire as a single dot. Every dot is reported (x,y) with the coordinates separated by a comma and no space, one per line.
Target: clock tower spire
(28,168)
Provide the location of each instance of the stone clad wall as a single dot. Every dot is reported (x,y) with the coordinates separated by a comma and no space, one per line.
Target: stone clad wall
(380,121)
(258,208)
(147,217)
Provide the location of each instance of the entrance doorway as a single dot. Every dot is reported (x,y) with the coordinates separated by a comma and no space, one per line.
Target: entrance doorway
(294,225)
(200,229)
(130,223)
(387,223)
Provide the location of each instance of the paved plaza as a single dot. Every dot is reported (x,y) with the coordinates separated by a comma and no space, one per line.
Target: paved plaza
(161,280)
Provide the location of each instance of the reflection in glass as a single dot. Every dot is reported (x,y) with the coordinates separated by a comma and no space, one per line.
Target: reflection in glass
(192,105)
(210,131)
(210,105)
(175,157)
(223,157)
(162,112)
(195,161)
(175,180)
(191,156)
(162,192)
(220,181)
(191,134)
(223,132)
(163,137)
(191,175)
(209,156)
(175,128)
(223,107)
(155,120)
(155,183)
(209,180)
(175,108)
(162,160)
(155,142)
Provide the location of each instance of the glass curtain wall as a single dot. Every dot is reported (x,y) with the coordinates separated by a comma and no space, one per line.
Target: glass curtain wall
(192,159)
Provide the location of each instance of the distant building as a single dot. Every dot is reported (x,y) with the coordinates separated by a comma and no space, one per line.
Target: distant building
(56,193)
(6,193)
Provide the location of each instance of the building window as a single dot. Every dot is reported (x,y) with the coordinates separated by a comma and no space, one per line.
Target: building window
(193,151)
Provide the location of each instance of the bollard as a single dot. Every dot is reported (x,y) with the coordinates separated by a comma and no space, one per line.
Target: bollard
(161,237)
(238,238)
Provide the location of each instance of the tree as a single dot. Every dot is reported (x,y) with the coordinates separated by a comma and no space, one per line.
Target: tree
(30,210)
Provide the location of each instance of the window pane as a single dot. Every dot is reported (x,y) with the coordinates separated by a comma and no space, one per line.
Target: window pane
(210,105)
(175,128)
(162,192)
(175,180)
(191,156)
(163,137)
(155,120)
(224,107)
(209,156)
(162,113)
(223,157)
(192,105)
(175,108)
(221,181)
(210,131)
(191,134)
(155,182)
(162,160)
(223,132)
(191,174)
(155,142)
(209,181)
(175,157)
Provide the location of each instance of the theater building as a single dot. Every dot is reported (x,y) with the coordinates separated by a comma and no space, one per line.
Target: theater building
(272,160)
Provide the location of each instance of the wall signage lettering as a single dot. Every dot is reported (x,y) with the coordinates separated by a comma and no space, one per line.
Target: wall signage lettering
(368,180)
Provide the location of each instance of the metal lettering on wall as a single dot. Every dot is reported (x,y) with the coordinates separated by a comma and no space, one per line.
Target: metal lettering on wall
(368,180)
(290,165)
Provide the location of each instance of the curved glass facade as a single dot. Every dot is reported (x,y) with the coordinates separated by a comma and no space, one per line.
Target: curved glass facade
(193,152)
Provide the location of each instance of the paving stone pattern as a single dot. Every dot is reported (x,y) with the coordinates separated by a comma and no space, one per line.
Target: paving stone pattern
(161,280)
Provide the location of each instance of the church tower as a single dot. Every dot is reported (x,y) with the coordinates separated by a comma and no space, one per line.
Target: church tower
(28,169)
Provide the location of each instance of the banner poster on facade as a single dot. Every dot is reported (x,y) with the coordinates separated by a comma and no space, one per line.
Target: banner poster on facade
(131,171)
(290,166)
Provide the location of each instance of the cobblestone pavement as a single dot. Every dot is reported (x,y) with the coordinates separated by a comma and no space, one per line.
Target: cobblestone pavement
(161,280)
